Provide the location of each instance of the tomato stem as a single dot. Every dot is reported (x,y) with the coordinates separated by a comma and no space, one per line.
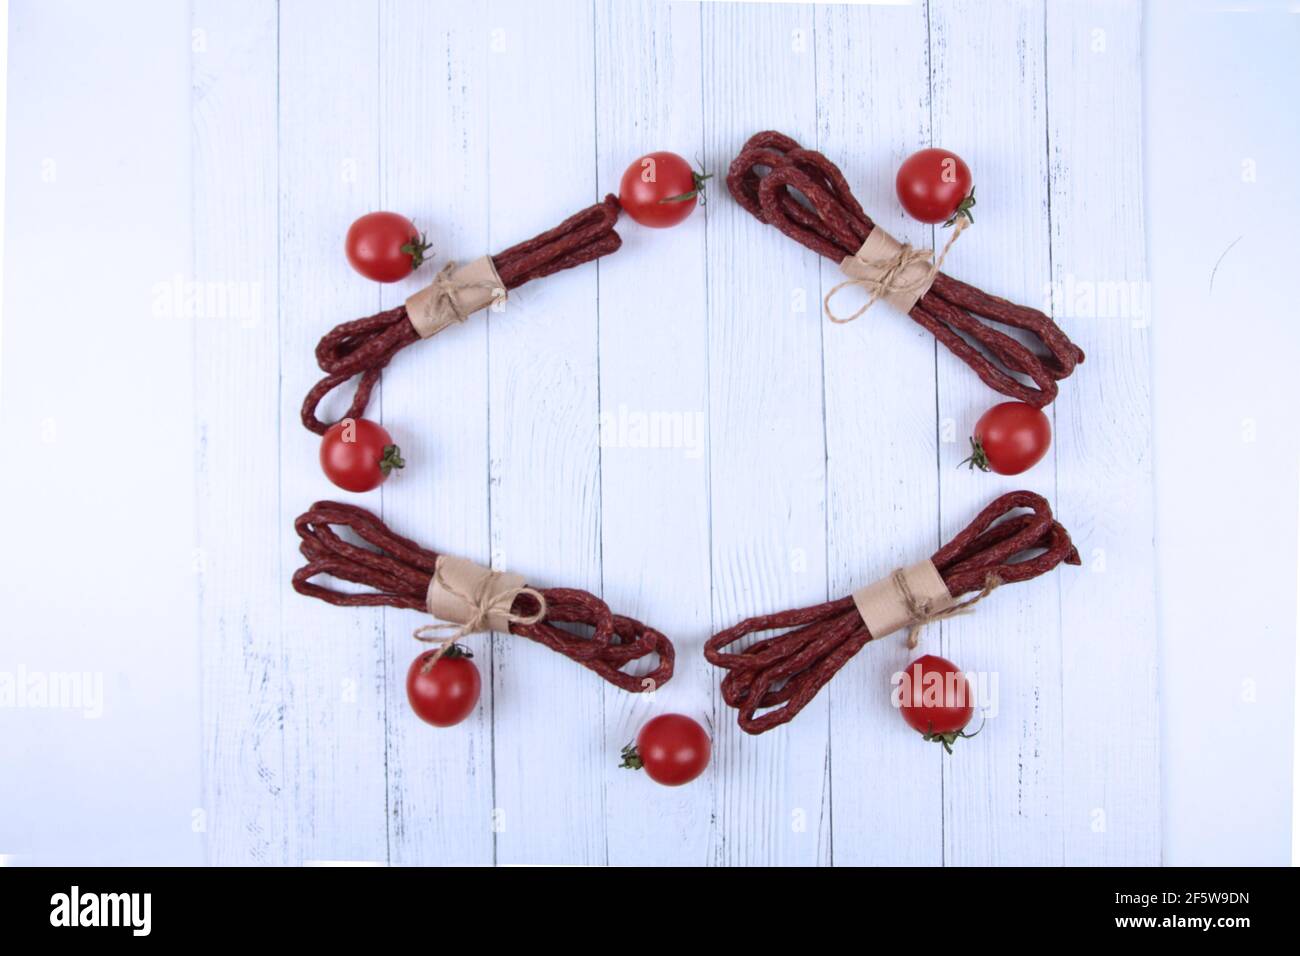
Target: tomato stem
(416,249)
(697,178)
(451,653)
(963,210)
(392,459)
(631,759)
(977,459)
(952,736)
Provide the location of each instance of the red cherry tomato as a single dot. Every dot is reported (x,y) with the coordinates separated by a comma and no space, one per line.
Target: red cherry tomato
(935,699)
(660,189)
(934,185)
(672,748)
(358,455)
(1009,438)
(385,247)
(443,692)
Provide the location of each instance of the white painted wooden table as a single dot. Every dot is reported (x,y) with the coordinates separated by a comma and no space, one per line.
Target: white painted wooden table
(828,454)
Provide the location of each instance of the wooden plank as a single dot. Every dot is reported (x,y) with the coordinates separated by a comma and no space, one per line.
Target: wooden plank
(550,749)
(334,657)
(488,124)
(654,404)
(1103,427)
(246,802)
(433,144)
(1003,794)
(881,433)
(767,454)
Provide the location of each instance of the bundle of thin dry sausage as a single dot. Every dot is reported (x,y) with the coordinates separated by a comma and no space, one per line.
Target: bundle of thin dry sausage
(399,573)
(805,195)
(787,670)
(364,346)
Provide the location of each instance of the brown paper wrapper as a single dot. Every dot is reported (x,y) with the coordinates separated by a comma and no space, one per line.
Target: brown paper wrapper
(871,264)
(462,592)
(454,295)
(883,605)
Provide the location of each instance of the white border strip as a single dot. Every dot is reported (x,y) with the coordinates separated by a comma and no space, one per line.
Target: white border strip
(4,140)
(1295,689)
(833,3)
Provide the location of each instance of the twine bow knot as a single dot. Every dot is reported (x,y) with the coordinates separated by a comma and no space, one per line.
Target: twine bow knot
(456,293)
(921,611)
(445,285)
(903,274)
(487,596)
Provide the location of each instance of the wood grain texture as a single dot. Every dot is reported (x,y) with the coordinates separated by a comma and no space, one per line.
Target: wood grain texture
(236,380)
(807,458)
(767,448)
(549,725)
(336,698)
(431,168)
(1103,427)
(881,435)
(654,393)
(1003,797)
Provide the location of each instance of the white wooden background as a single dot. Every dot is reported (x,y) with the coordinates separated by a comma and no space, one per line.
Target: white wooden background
(830,456)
